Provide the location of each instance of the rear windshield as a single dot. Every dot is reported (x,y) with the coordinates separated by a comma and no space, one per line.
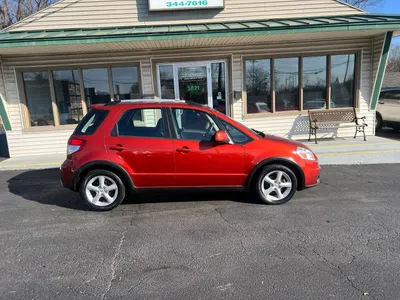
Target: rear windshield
(89,124)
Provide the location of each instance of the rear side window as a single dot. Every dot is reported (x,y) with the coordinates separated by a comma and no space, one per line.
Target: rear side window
(147,122)
(91,122)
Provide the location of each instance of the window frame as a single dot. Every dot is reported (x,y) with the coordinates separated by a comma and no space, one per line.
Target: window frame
(356,91)
(164,116)
(25,115)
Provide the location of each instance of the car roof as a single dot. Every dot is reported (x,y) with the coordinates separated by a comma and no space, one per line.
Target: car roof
(131,103)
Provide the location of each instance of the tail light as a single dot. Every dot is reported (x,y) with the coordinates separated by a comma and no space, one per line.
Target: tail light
(74,145)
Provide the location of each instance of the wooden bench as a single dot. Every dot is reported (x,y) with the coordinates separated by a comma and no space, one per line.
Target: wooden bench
(327,119)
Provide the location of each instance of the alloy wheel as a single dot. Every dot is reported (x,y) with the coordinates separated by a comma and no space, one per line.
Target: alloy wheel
(276,185)
(101,190)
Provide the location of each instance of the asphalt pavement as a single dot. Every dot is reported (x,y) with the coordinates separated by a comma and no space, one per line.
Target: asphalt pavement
(339,240)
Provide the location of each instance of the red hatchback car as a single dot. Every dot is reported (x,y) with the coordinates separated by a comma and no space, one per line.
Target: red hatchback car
(132,145)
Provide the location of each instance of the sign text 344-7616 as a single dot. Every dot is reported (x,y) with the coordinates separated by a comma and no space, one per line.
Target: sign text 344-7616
(187,4)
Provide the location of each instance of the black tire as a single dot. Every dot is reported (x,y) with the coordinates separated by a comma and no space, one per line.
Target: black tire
(99,172)
(260,181)
(378,123)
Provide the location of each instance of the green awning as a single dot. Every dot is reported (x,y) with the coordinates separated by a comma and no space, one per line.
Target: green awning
(203,30)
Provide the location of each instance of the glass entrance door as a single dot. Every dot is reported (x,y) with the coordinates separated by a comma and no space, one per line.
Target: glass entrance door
(193,84)
(200,82)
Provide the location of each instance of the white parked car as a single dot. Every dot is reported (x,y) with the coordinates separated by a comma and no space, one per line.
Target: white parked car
(388,109)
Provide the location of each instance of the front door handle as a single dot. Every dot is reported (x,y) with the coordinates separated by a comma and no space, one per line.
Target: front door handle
(184,149)
(118,148)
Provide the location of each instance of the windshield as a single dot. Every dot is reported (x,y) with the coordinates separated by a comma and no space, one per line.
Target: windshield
(257,132)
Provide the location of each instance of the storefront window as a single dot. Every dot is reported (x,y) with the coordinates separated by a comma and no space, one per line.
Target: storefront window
(258,86)
(314,82)
(125,83)
(218,86)
(68,95)
(342,80)
(97,88)
(286,84)
(38,98)
(285,91)
(167,82)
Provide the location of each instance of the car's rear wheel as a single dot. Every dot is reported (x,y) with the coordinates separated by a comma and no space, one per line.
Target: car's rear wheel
(102,190)
(276,184)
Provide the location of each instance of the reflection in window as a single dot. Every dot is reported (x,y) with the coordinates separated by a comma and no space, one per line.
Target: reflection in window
(218,86)
(258,86)
(342,80)
(68,96)
(314,82)
(286,84)
(167,82)
(97,89)
(37,92)
(125,83)
(194,125)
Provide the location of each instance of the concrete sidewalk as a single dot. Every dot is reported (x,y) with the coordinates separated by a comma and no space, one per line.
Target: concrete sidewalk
(349,151)
(341,151)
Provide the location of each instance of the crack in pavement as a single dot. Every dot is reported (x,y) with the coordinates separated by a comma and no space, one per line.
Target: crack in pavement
(232,226)
(113,262)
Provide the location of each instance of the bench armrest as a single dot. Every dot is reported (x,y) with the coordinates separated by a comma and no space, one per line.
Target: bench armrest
(363,120)
(314,123)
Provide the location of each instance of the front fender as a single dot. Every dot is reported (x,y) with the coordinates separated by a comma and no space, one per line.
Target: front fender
(294,166)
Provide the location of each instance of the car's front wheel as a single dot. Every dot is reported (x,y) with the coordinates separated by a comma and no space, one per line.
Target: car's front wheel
(276,184)
(102,190)
(378,123)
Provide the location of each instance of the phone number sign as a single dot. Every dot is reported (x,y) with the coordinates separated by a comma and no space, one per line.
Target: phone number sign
(155,5)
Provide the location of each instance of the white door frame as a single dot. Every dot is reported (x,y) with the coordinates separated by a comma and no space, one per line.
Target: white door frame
(204,63)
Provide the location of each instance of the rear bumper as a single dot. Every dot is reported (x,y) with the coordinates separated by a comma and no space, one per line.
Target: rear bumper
(67,175)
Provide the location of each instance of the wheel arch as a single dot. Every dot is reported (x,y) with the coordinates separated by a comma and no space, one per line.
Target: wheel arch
(105,165)
(277,161)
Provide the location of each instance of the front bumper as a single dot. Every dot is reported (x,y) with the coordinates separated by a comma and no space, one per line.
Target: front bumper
(312,174)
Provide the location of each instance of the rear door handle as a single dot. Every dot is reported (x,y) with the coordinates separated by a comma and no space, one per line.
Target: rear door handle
(184,149)
(118,148)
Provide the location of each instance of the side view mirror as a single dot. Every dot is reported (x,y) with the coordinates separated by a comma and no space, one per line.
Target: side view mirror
(221,137)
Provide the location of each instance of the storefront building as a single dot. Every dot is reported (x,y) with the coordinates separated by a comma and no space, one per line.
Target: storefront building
(264,63)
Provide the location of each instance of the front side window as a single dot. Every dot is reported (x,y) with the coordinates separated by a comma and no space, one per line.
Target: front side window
(286,84)
(38,98)
(97,88)
(194,125)
(342,80)
(125,83)
(258,86)
(68,96)
(237,136)
(147,122)
(393,95)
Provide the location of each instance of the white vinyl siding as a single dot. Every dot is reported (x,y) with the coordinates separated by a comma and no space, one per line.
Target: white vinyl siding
(51,141)
(118,13)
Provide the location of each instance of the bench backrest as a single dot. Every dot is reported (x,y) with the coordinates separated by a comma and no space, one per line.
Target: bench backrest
(326,116)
